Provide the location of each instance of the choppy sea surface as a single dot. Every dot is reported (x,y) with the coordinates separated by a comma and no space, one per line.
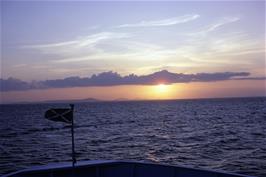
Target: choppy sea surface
(223,134)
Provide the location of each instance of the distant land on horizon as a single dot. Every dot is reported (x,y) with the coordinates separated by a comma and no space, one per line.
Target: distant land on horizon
(94,100)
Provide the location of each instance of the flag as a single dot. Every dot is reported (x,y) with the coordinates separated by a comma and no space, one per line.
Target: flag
(60,115)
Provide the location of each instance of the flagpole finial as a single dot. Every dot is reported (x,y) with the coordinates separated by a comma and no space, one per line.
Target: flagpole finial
(72,106)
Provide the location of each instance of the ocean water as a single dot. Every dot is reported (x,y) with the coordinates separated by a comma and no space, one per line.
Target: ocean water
(223,134)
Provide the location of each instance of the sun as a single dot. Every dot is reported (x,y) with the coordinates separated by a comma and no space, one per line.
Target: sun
(162,88)
(162,91)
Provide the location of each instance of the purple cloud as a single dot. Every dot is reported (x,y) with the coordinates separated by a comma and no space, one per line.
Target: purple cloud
(112,78)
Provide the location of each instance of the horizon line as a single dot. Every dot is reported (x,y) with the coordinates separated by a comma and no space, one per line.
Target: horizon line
(66,101)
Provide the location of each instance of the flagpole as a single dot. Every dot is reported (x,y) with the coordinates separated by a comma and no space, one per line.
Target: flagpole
(72,132)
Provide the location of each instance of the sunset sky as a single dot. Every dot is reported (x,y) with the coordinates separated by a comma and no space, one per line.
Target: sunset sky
(55,40)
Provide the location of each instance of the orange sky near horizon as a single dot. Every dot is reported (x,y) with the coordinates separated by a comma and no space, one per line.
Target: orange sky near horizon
(233,88)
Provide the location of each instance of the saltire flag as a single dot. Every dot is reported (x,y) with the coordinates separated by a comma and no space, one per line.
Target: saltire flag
(60,115)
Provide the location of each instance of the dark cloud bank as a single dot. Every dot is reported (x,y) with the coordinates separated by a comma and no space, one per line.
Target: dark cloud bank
(113,78)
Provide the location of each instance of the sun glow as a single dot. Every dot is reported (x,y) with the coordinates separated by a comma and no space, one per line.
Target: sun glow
(162,88)
(162,91)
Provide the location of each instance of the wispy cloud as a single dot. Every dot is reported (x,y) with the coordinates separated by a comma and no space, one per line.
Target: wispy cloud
(119,50)
(163,22)
(52,45)
(231,44)
(77,44)
(215,26)
(223,22)
(137,51)
(19,65)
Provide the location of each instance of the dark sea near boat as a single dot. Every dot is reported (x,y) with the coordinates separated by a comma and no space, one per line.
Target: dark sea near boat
(223,134)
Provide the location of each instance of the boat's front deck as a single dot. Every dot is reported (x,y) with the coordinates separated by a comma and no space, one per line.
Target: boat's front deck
(117,169)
